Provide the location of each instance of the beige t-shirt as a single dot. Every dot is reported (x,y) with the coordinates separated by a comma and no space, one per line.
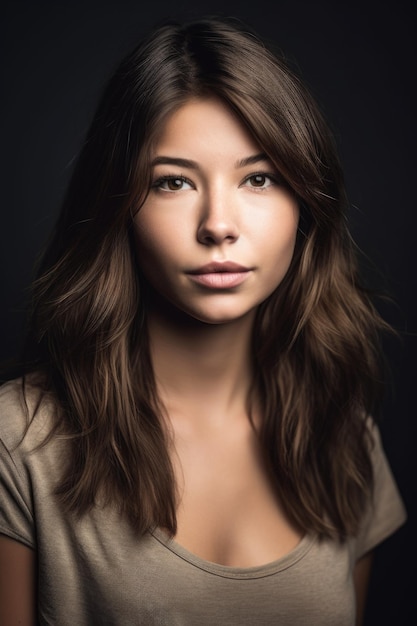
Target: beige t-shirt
(96,571)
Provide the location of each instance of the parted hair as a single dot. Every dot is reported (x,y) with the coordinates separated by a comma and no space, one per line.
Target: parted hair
(315,339)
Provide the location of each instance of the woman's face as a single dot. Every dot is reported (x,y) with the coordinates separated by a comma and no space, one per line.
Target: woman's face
(217,231)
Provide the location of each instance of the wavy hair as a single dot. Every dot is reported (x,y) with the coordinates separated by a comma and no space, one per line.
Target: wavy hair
(315,339)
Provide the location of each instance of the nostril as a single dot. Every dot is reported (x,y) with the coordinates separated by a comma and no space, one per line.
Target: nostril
(215,239)
(211,232)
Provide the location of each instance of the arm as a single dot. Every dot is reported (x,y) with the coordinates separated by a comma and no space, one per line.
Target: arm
(361,575)
(17,583)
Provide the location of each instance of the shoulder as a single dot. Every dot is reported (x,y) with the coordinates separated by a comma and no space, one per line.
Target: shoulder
(386,512)
(26,413)
(28,465)
(26,422)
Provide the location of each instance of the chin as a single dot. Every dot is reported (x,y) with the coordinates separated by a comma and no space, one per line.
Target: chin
(219,316)
(213,311)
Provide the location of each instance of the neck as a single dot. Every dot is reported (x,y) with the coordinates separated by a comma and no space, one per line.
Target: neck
(201,369)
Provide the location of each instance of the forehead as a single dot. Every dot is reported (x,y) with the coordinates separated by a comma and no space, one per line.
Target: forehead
(204,124)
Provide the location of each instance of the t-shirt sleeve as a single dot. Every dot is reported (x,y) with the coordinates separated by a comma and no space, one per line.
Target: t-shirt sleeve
(16,516)
(386,512)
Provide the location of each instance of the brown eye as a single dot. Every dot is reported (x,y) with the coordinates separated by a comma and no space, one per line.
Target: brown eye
(258,181)
(174,184)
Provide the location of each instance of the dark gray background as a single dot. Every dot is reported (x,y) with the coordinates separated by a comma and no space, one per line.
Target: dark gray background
(358,59)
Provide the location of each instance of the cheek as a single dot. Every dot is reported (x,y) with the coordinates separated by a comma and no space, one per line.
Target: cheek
(278,250)
(155,246)
(280,235)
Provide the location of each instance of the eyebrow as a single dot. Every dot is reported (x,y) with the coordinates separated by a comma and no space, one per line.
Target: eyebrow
(193,165)
(251,160)
(166,160)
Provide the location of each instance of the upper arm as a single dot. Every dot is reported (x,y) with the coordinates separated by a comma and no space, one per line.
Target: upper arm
(17,583)
(361,575)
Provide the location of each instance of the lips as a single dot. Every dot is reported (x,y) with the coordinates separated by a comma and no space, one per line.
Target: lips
(216,267)
(220,275)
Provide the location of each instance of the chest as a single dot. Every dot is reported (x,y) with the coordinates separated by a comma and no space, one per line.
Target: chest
(229,512)
(96,570)
(110,578)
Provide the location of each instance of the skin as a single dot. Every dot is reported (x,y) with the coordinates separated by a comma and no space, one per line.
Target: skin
(361,576)
(219,208)
(17,584)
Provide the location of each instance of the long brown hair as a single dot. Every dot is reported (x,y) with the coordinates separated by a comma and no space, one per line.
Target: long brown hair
(315,341)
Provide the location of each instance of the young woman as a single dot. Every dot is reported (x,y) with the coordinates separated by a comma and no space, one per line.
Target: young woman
(190,440)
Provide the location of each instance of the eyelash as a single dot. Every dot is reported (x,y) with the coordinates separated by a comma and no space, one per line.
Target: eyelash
(272,178)
(157,184)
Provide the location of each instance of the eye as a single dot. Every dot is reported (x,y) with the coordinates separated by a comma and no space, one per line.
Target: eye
(172,183)
(259,181)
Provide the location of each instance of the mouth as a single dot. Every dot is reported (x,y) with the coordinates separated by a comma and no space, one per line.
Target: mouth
(217,275)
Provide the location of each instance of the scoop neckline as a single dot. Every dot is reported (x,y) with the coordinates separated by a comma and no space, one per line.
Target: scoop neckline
(226,571)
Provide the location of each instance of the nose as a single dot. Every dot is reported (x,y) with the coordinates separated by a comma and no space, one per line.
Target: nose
(218,222)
